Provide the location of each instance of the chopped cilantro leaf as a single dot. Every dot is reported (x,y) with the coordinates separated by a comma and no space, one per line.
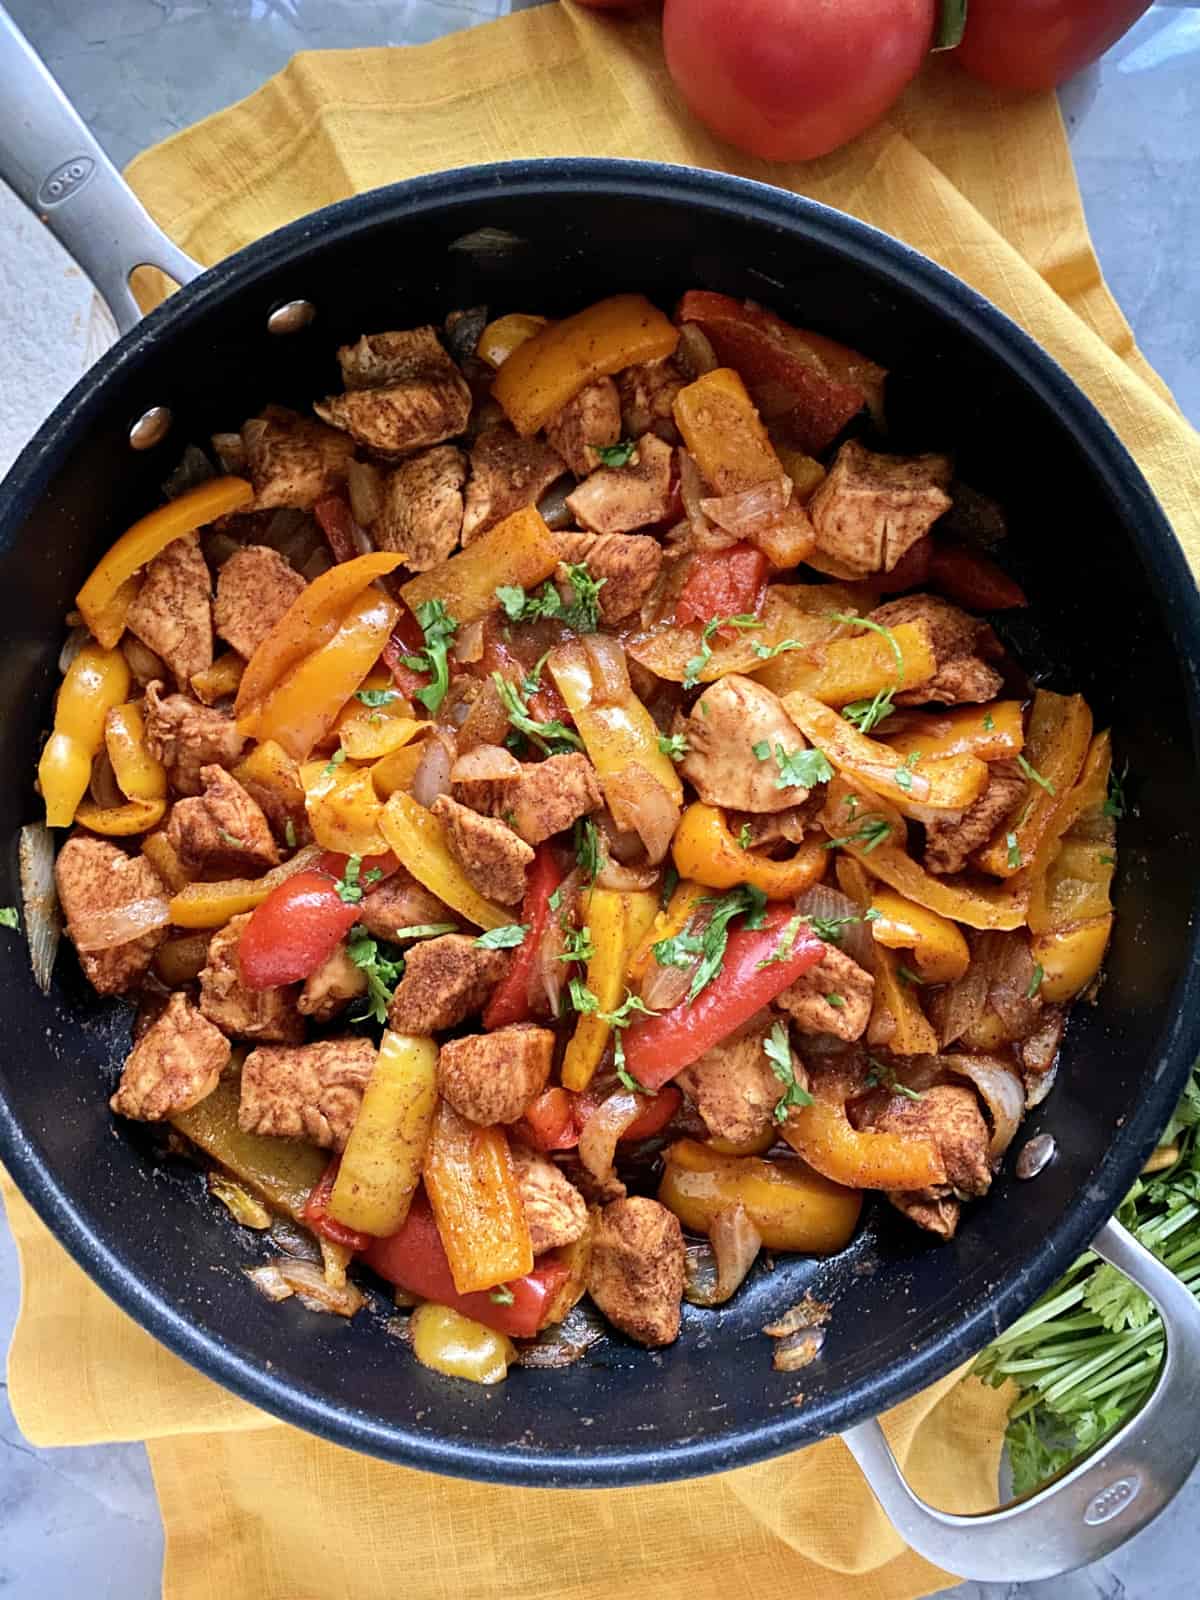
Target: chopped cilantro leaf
(696,664)
(907,975)
(589,855)
(348,887)
(787,939)
(837,1001)
(551,738)
(583,613)
(582,997)
(867,714)
(1035,983)
(1115,804)
(503,938)
(881,1076)
(989,722)
(382,972)
(229,839)
(623,454)
(8,917)
(674,745)
(501,1296)
(669,884)
(1034,775)
(425,930)
(802,769)
(778,1050)
(713,940)
(376,697)
(762,750)
(745,836)
(870,832)
(333,763)
(577,945)
(768,652)
(439,628)
(289,834)
(1013,856)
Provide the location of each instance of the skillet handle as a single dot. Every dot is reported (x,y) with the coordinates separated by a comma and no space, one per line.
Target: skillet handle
(1090,1510)
(51,162)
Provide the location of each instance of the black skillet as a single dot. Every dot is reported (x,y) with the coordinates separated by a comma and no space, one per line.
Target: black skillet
(1115,615)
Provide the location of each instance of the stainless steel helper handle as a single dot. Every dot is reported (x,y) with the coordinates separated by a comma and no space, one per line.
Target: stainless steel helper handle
(1090,1510)
(51,162)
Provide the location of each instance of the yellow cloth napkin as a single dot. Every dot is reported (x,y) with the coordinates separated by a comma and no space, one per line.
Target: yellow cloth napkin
(253,1509)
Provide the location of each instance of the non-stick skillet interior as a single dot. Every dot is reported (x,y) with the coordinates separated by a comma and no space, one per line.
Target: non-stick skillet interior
(904,1310)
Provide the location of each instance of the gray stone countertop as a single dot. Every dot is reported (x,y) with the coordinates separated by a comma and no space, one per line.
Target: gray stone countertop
(130,68)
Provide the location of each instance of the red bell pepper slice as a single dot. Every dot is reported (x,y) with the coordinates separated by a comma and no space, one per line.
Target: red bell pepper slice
(407,639)
(316,1213)
(726,583)
(301,922)
(414,1259)
(972,580)
(510,998)
(549,1121)
(910,572)
(336,521)
(658,1047)
(545,703)
(657,1110)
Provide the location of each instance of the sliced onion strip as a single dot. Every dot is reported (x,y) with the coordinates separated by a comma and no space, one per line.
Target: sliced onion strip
(39,896)
(598,1141)
(1002,1091)
(105,930)
(284,1277)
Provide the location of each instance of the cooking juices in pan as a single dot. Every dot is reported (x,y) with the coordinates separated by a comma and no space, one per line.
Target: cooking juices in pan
(568,823)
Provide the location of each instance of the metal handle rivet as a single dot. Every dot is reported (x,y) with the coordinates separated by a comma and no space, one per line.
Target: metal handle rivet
(291,316)
(151,428)
(1036,1154)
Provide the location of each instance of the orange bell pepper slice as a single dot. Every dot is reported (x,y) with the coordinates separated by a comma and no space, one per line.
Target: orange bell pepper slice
(343,809)
(95,682)
(472,1190)
(706,852)
(940,952)
(858,1158)
(992,732)
(519,551)
(897,1021)
(100,600)
(418,841)
(506,334)
(854,669)
(540,376)
(221,680)
(686,896)
(721,427)
(1070,957)
(1056,745)
(135,816)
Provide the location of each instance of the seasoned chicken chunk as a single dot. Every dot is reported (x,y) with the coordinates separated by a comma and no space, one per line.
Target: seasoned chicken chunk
(832,997)
(267,1014)
(733,1087)
(172,611)
(445,981)
(222,831)
(956,638)
(636,1271)
(948,844)
(871,509)
(292,460)
(186,736)
(935,1210)
(422,513)
(330,988)
(492,1077)
(492,856)
(551,795)
(555,1211)
(948,1115)
(648,399)
(591,419)
(627,564)
(734,735)
(93,877)
(507,472)
(618,499)
(403,392)
(307,1091)
(173,1066)
(254,589)
(400,902)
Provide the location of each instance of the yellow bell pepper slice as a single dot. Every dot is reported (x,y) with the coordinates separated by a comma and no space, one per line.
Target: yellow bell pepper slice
(459,1347)
(705,851)
(615,735)
(854,669)
(135,816)
(343,809)
(164,858)
(992,732)
(302,710)
(606,921)
(212,905)
(858,1158)
(369,732)
(139,775)
(268,772)
(283,1171)
(940,952)
(221,681)
(381,1164)
(398,770)
(472,1190)
(792,1206)
(1070,957)
(1070,884)
(641,909)
(310,622)
(105,598)
(418,840)
(722,429)
(541,375)
(520,550)
(1056,745)
(686,896)
(806,472)
(897,1022)
(506,334)
(96,681)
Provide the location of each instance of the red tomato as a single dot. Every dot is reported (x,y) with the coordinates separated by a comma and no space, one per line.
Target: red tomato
(414,1259)
(727,583)
(316,1213)
(792,79)
(301,922)
(972,580)
(1038,44)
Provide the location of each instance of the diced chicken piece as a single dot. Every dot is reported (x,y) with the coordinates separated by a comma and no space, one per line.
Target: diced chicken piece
(172,611)
(224,831)
(948,844)
(813,1000)
(592,419)
(767,830)
(492,1077)
(186,736)
(403,392)
(628,565)
(446,980)
(94,876)
(422,513)
(267,1014)
(400,902)
(636,1271)
(507,472)
(173,1066)
(551,795)
(734,1088)
(618,499)
(254,589)
(329,990)
(956,637)
(555,1211)
(648,399)
(871,509)
(948,1115)
(734,734)
(292,460)
(934,1210)
(306,1091)
(492,856)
